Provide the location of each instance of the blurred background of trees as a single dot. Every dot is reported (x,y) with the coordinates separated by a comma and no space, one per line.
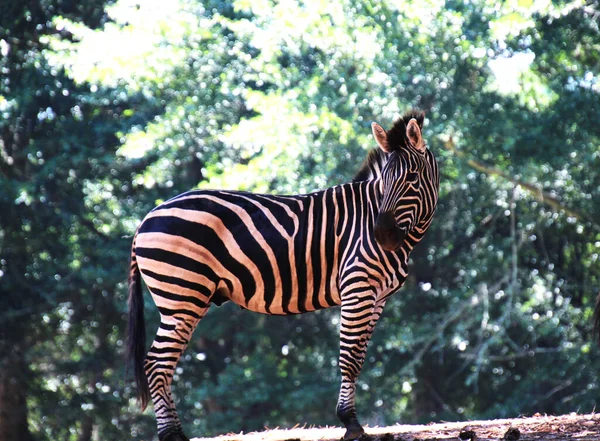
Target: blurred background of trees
(108,108)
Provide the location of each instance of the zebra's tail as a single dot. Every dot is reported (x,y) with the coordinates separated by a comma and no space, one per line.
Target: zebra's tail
(136,345)
(597,319)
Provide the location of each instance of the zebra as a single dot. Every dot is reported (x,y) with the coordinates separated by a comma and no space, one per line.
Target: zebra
(345,246)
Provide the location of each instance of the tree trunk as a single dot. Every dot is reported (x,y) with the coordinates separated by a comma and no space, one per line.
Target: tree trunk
(87,428)
(13,394)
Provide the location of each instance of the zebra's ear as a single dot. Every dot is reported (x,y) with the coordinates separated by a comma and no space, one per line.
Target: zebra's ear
(413,131)
(380,136)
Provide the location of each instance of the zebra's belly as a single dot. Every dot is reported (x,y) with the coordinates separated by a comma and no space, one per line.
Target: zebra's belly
(279,302)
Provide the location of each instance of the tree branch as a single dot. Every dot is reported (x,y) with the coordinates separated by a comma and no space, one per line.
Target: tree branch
(509,357)
(536,192)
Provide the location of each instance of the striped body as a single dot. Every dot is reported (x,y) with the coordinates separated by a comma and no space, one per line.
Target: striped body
(269,254)
(347,245)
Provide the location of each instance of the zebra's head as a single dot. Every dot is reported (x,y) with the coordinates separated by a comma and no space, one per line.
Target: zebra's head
(409,181)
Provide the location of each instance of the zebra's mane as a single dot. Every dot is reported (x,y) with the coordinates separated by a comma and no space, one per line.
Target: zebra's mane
(397,139)
(372,165)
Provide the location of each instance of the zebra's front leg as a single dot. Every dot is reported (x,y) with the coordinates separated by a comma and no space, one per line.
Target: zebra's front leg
(358,318)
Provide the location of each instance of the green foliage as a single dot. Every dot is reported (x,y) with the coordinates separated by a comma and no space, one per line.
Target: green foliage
(106,112)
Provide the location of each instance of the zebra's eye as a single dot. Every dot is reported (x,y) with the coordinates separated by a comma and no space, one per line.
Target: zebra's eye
(412,177)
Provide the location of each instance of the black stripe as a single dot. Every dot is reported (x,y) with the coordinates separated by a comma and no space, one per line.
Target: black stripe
(315,251)
(300,246)
(282,216)
(341,208)
(177,260)
(330,244)
(172,312)
(351,209)
(178,297)
(178,281)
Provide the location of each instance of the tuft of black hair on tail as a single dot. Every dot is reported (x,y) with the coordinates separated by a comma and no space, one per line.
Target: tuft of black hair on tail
(136,344)
(597,320)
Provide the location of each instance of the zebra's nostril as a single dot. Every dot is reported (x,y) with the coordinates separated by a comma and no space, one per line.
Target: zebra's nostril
(380,235)
(385,221)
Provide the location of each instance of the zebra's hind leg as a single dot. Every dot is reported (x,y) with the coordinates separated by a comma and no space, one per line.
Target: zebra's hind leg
(172,338)
(358,319)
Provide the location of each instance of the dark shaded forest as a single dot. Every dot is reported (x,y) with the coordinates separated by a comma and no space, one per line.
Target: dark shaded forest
(109,108)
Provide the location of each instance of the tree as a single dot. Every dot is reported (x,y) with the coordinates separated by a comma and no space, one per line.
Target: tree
(57,143)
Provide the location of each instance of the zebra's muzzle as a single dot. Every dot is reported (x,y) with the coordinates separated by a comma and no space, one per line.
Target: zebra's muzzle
(387,233)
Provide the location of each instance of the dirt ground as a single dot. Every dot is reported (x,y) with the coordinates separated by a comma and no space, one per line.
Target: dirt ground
(538,427)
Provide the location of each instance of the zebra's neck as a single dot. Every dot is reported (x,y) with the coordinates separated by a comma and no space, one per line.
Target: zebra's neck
(346,216)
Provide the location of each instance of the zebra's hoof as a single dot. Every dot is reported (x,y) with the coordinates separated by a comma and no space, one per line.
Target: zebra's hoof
(173,436)
(353,431)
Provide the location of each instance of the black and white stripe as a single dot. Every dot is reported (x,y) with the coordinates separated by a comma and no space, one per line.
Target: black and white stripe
(347,245)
